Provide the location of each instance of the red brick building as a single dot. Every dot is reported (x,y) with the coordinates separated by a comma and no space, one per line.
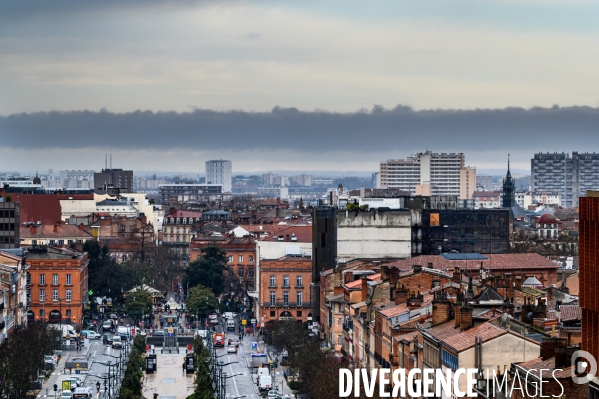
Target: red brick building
(285,288)
(58,279)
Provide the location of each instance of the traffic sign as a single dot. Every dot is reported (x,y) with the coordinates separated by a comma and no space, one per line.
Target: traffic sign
(90,292)
(244,322)
(253,321)
(254,347)
(66,385)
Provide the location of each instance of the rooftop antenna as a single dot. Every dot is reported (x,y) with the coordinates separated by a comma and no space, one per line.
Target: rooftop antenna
(105,161)
(111,161)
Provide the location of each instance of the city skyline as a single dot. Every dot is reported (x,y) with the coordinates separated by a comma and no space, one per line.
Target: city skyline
(278,86)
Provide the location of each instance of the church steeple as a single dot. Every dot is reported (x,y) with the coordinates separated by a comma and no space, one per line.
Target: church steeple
(509,188)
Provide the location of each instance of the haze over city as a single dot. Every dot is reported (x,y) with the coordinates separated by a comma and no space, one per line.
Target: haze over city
(339,87)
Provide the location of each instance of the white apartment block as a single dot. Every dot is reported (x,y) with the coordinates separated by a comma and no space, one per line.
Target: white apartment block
(219,172)
(77,178)
(439,171)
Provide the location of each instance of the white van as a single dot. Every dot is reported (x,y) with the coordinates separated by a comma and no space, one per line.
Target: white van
(230,324)
(65,329)
(83,393)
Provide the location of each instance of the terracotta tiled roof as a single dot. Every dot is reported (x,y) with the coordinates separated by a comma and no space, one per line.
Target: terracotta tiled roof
(47,231)
(493,262)
(570,312)
(393,310)
(406,337)
(465,339)
(358,283)
(549,364)
(302,233)
(443,330)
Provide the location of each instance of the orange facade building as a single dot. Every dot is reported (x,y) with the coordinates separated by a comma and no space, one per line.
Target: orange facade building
(285,289)
(58,282)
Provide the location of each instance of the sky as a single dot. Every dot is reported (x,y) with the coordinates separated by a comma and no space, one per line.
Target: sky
(305,86)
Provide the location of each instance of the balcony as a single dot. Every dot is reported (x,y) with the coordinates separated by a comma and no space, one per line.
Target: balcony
(286,305)
(348,326)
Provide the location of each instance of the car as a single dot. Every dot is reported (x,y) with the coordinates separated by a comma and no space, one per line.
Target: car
(159,333)
(214,321)
(107,339)
(231,349)
(113,316)
(108,325)
(117,342)
(66,395)
(91,334)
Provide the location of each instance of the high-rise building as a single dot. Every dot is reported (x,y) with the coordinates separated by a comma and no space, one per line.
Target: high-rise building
(219,172)
(437,173)
(467,182)
(114,180)
(9,224)
(485,181)
(376,183)
(77,178)
(570,177)
(589,278)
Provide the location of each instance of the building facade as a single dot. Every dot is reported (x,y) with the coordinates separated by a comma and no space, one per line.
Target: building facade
(178,231)
(219,172)
(58,281)
(467,182)
(285,289)
(190,192)
(77,178)
(570,177)
(115,180)
(440,171)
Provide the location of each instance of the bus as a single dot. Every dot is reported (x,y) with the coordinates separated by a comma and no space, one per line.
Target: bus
(83,393)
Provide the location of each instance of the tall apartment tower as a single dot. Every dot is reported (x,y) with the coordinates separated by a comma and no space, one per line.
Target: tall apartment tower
(115,180)
(570,177)
(219,172)
(9,224)
(324,251)
(589,278)
(428,172)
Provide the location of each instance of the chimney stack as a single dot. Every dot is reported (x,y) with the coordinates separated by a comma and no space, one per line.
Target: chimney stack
(466,317)
(401,295)
(417,268)
(440,309)
(518,282)
(349,277)
(393,276)
(415,301)
(81,226)
(364,288)
(457,276)
(384,273)
(55,229)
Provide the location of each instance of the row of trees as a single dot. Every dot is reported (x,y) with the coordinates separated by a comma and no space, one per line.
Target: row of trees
(22,358)
(203,383)
(131,386)
(154,265)
(318,371)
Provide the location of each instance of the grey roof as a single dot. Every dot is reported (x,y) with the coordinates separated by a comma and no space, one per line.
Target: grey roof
(13,251)
(516,212)
(464,256)
(489,294)
(532,282)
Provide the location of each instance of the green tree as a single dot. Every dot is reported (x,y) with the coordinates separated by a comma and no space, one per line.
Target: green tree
(200,300)
(105,275)
(138,303)
(203,382)
(208,270)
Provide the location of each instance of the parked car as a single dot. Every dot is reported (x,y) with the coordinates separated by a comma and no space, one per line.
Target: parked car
(66,395)
(107,339)
(231,349)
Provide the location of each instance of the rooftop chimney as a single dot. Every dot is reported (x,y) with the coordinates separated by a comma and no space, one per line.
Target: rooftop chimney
(364,288)
(457,276)
(385,273)
(441,308)
(415,301)
(393,276)
(81,226)
(401,295)
(466,317)
(417,268)
(32,228)
(349,277)
(55,229)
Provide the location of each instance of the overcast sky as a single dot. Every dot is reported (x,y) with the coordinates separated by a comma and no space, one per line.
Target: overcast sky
(310,85)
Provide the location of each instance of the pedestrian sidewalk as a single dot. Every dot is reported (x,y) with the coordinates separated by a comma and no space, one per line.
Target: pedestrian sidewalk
(169,381)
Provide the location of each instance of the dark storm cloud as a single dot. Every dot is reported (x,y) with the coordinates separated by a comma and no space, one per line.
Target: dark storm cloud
(570,128)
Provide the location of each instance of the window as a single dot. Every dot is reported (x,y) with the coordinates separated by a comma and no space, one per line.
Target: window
(42,279)
(70,242)
(299,313)
(273,281)
(69,295)
(42,313)
(42,295)
(339,321)
(272,313)
(60,242)
(299,297)
(52,242)
(55,295)
(285,281)
(240,271)
(449,360)
(299,281)
(68,313)
(286,298)
(273,298)
(251,272)
(55,279)
(69,280)
(251,258)
(231,258)
(241,258)
(33,242)
(340,340)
